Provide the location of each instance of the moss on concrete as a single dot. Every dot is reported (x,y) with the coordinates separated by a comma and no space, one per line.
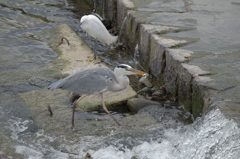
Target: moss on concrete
(174,91)
(197,102)
(187,99)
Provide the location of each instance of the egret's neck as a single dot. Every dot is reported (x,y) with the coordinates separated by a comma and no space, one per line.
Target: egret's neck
(122,81)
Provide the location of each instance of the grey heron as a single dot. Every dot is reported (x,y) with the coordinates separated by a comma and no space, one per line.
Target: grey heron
(95,28)
(96,81)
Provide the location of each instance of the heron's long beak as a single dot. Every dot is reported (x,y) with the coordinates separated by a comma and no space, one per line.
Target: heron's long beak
(139,72)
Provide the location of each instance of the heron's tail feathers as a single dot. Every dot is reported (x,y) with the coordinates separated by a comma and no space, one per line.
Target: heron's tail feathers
(55,85)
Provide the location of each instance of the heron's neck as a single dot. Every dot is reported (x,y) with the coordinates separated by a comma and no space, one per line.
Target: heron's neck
(122,82)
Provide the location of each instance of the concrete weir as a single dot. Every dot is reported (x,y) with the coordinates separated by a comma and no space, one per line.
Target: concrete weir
(186,45)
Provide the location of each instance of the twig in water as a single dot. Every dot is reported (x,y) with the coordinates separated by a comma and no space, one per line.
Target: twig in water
(60,42)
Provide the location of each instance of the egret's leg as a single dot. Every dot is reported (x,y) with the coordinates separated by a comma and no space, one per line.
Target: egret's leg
(95,48)
(104,107)
(94,57)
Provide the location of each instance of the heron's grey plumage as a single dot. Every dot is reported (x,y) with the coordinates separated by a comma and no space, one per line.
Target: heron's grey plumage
(87,81)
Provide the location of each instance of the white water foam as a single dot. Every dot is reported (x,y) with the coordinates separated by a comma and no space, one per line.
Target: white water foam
(210,137)
(213,137)
(17,126)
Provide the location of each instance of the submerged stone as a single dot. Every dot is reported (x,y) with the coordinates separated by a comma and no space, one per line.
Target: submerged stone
(136,104)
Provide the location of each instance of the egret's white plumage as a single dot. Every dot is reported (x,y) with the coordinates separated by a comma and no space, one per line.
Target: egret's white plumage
(96,81)
(95,28)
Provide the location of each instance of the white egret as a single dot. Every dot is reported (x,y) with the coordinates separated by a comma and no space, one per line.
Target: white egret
(95,28)
(96,81)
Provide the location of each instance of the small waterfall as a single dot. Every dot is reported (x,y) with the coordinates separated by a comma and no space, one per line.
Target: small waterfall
(67,5)
(122,29)
(94,4)
(136,58)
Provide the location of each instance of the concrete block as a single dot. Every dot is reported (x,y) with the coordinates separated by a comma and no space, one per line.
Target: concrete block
(185,76)
(174,57)
(145,35)
(157,52)
(122,8)
(156,57)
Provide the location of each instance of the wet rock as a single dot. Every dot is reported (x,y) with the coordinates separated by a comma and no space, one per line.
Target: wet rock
(136,104)
(112,99)
(162,113)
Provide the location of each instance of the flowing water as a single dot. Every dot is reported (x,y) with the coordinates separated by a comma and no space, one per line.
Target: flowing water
(23,57)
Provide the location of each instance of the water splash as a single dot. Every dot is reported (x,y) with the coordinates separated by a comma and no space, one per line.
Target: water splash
(213,137)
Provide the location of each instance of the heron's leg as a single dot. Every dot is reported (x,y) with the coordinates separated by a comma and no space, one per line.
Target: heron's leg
(105,108)
(73,110)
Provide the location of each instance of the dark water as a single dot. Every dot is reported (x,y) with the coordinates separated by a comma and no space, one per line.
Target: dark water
(22,69)
(22,59)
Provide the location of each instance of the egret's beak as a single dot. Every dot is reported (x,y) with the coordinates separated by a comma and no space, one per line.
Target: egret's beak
(139,72)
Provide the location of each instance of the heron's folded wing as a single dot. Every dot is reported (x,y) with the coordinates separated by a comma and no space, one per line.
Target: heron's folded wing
(88,81)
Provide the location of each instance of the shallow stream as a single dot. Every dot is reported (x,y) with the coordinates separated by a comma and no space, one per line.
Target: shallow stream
(25,134)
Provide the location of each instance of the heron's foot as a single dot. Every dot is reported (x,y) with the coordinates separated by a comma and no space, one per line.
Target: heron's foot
(92,58)
(48,109)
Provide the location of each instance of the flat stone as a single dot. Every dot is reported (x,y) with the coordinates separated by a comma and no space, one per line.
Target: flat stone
(192,69)
(180,54)
(168,43)
(112,99)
